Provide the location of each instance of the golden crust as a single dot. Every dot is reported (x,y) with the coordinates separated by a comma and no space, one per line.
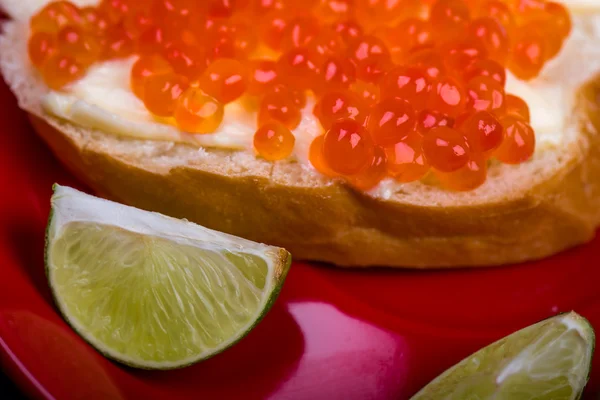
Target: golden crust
(335,224)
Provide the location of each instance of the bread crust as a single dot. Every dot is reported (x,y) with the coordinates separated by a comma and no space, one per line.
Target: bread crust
(521,213)
(335,224)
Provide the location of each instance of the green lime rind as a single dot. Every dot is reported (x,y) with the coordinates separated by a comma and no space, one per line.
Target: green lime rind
(549,360)
(281,261)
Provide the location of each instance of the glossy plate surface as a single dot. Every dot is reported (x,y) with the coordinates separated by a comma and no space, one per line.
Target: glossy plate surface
(333,334)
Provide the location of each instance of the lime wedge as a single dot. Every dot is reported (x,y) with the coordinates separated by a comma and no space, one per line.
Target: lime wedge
(546,361)
(151,291)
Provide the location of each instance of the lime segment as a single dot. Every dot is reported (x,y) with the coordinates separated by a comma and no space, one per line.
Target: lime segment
(152,291)
(546,361)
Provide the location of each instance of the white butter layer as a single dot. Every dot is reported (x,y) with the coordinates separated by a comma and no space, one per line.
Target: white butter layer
(102,99)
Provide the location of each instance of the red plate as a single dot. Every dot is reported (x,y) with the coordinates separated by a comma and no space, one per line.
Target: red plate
(332,334)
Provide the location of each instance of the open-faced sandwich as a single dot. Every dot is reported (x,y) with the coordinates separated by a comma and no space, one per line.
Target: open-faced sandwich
(399,133)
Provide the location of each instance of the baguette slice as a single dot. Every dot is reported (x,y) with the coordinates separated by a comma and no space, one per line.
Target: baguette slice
(521,213)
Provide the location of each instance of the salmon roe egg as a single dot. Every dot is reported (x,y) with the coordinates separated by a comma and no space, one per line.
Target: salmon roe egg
(334,10)
(445,149)
(298,69)
(232,40)
(529,54)
(60,70)
(405,160)
(40,47)
(186,60)
(153,40)
(75,42)
(225,80)
(415,33)
(115,10)
(367,91)
(117,43)
(317,159)
(499,11)
(449,18)
(493,36)
(281,107)
(487,68)
(429,119)
(371,57)
(271,28)
(297,96)
(409,83)
(483,132)
(144,67)
(262,76)
(174,13)
(448,96)
(54,16)
(197,112)
(328,43)
(222,8)
(518,144)
(161,93)
(274,141)
(340,104)
(347,147)
(299,32)
(485,94)
(349,30)
(391,121)
(518,107)
(336,73)
(469,177)
(94,20)
(430,60)
(370,176)
(559,18)
(138,22)
(460,55)
(377,12)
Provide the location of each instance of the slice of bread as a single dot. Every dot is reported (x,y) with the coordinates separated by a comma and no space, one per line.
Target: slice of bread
(521,213)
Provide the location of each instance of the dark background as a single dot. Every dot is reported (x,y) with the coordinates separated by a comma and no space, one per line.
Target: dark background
(8,391)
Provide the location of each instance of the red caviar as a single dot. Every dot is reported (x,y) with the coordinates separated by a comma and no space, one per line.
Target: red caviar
(518,107)
(281,107)
(60,70)
(391,121)
(405,160)
(273,141)
(372,173)
(492,35)
(262,76)
(225,80)
(399,86)
(483,131)
(446,149)
(145,67)
(485,94)
(336,73)
(161,93)
(409,83)
(317,159)
(197,112)
(469,177)
(75,42)
(335,105)
(40,47)
(347,147)
(429,119)
(518,143)
(54,16)
(448,96)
